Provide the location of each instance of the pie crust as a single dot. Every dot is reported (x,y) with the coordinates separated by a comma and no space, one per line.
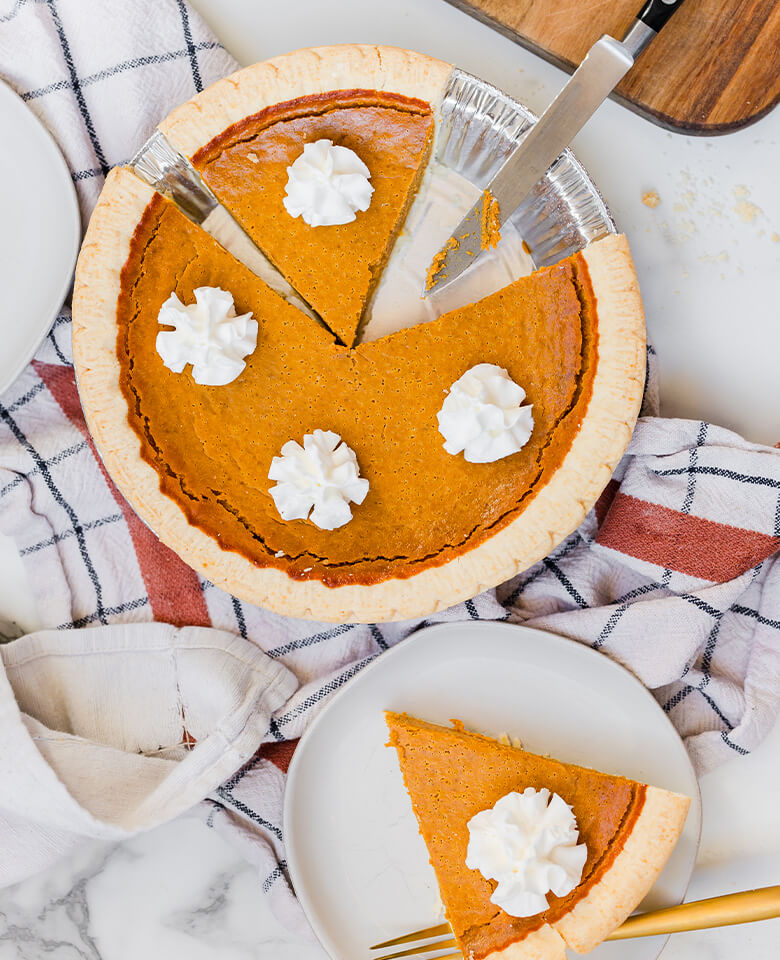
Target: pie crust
(303,73)
(557,508)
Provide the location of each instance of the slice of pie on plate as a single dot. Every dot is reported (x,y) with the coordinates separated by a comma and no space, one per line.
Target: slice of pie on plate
(629,830)
(194,460)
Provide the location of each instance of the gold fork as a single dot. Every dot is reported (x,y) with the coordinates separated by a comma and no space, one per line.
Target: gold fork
(744,907)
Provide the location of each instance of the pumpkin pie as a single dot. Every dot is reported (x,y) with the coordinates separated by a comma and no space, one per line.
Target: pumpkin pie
(629,829)
(194,460)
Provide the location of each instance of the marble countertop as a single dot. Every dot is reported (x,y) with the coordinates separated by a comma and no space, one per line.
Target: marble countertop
(707,257)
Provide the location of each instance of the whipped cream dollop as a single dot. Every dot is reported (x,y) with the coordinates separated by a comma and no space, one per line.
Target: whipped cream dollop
(207,334)
(527,842)
(327,185)
(317,481)
(483,415)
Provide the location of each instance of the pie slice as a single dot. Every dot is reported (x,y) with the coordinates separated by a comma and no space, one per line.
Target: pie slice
(629,828)
(334,268)
(246,164)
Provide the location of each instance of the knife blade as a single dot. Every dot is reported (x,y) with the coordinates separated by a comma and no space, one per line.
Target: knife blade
(169,172)
(605,64)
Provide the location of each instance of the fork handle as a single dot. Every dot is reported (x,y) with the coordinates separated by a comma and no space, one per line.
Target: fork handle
(743,907)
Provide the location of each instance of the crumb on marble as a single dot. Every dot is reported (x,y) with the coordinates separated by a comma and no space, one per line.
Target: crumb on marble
(745,209)
(721,257)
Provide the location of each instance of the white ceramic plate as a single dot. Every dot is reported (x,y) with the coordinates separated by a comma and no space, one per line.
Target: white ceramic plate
(358,864)
(39,234)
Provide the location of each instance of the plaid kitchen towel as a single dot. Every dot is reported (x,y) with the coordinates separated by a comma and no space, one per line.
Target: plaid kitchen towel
(100,75)
(674,574)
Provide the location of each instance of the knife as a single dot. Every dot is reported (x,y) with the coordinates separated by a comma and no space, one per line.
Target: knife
(605,64)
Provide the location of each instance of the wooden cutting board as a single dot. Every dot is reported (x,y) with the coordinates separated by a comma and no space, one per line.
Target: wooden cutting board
(714,68)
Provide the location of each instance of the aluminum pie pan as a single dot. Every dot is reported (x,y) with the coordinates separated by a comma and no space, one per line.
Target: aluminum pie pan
(479,126)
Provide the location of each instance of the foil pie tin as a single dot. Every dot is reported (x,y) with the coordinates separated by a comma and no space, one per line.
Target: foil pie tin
(479,127)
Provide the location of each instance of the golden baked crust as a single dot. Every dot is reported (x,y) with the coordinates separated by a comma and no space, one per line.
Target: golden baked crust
(543,944)
(303,73)
(610,902)
(635,870)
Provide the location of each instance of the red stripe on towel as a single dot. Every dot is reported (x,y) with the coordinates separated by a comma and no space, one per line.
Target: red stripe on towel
(604,502)
(174,590)
(280,754)
(680,541)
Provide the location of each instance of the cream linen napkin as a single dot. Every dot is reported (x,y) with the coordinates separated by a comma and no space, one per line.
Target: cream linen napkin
(112,730)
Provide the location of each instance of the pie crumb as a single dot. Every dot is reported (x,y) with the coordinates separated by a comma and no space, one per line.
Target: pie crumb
(746,210)
(437,264)
(650,199)
(253,158)
(491,222)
